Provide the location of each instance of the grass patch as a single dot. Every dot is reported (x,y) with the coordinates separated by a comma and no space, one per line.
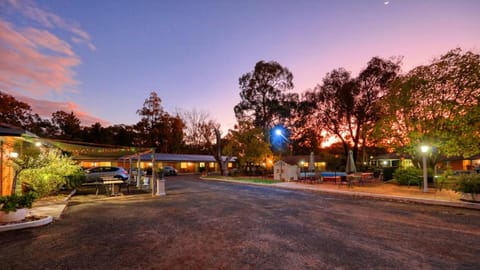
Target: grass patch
(245,179)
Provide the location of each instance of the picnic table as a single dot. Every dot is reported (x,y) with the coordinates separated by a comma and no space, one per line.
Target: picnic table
(107,182)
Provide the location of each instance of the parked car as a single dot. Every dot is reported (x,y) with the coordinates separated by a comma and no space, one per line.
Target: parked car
(96,173)
(134,172)
(169,170)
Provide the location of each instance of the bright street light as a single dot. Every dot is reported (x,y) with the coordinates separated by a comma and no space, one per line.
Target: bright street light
(424,148)
(280,132)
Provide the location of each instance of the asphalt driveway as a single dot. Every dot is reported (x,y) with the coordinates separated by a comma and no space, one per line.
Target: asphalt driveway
(215,225)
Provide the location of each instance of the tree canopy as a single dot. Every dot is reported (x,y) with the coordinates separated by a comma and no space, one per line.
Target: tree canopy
(246,142)
(265,100)
(436,104)
(157,128)
(347,107)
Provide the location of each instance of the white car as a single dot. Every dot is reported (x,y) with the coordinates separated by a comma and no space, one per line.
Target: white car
(96,173)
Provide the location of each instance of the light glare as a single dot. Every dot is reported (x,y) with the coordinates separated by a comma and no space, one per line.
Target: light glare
(424,148)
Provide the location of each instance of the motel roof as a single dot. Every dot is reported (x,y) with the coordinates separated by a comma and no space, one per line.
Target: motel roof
(178,157)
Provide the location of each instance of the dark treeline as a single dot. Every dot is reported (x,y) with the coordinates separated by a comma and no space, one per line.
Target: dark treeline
(156,128)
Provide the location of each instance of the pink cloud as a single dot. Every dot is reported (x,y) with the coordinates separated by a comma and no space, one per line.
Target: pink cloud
(51,20)
(35,61)
(45,108)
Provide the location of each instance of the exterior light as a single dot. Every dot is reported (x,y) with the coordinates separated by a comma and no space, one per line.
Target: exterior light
(38,144)
(13,155)
(278,132)
(424,148)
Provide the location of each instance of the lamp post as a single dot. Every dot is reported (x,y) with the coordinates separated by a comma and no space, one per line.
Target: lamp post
(302,164)
(278,140)
(424,149)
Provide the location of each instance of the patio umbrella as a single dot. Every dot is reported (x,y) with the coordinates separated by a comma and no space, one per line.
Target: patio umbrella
(311,163)
(350,168)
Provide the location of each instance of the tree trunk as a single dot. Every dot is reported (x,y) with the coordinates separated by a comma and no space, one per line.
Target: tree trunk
(218,154)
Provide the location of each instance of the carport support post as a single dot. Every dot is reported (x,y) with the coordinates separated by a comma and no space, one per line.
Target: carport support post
(154,176)
(160,186)
(130,166)
(139,185)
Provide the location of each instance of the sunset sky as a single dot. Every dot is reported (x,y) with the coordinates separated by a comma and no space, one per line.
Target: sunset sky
(101,59)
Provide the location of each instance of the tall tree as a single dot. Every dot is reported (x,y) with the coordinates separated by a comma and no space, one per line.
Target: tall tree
(149,127)
(346,107)
(14,112)
(67,125)
(194,122)
(437,104)
(122,134)
(152,110)
(157,128)
(172,130)
(374,82)
(246,142)
(264,97)
(209,130)
(97,134)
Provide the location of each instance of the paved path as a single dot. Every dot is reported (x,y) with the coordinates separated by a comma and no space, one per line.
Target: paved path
(215,225)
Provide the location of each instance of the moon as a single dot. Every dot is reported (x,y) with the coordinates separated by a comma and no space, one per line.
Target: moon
(386,2)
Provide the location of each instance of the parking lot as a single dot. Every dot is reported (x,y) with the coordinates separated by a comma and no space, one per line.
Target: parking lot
(215,225)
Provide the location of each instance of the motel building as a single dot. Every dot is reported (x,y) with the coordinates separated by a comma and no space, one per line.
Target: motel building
(131,158)
(183,163)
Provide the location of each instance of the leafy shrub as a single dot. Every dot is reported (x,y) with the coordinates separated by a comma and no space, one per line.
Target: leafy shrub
(75,180)
(469,183)
(445,180)
(14,201)
(408,176)
(54,173)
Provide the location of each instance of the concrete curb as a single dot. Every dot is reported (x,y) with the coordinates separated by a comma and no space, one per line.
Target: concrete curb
(467,205)
(29,224)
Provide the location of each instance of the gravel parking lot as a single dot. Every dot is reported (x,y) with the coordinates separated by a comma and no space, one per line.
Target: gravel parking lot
(215,225)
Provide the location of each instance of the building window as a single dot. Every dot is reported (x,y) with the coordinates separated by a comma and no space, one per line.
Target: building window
(202,165)
(183,165)
(230,164)
(212,165)
(320,165)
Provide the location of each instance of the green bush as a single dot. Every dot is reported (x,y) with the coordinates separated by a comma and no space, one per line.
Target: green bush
(445,180)
(408,176)
(14,202)
(75,180)
(56,171)
(469,183)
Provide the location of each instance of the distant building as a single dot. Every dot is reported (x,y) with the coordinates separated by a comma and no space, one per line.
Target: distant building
(390,160)
(184,163)
(303,162)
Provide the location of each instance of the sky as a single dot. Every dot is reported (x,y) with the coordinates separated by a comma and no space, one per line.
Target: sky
(102,59)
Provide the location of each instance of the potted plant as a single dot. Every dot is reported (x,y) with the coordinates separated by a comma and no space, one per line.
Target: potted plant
(15,207)
(469,186)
